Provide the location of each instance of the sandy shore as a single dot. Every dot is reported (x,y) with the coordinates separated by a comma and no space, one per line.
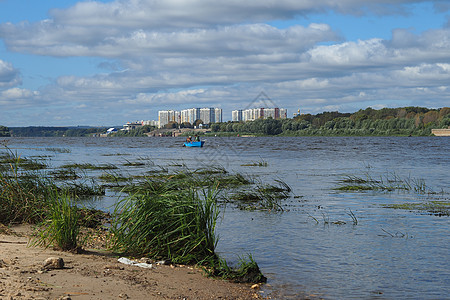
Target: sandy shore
(96,274)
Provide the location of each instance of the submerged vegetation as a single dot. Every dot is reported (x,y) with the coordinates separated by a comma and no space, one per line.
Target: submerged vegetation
(434,207)
(389,182)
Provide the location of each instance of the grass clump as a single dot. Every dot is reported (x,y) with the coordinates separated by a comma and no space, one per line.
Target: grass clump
(58,150)
(260,163)
(65,174)
(88,166)
(162,223)
(246,272)
(389,182)
(62,228)
(433,207)
(22,198)
(263,197)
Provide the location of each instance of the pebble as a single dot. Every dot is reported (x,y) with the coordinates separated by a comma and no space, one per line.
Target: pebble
(54,263)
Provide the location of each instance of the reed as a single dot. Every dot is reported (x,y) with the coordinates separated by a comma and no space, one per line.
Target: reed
(23,196)
(388,182)
(167,223)
(58,150)
(88,166)
(260,163)
(61,229)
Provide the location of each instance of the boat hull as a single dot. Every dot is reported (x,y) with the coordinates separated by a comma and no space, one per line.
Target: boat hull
(194,144)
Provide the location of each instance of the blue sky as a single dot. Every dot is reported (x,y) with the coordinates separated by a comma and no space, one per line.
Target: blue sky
(108,62)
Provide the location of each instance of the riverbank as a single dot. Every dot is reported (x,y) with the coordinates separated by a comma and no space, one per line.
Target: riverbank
(97,274)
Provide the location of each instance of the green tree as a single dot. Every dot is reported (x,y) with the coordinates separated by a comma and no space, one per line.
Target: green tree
(4,131)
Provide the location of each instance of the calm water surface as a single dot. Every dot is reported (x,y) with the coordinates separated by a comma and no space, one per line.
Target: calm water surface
(389,254)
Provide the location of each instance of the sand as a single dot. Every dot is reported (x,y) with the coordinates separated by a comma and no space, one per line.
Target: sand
(96,274)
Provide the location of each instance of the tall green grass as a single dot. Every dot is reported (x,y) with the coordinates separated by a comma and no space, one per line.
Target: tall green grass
(178,225)
(23,194)
(61,229)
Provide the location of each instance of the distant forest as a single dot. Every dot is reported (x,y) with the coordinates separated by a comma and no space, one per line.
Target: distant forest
(55,131)
(384,122)
(416,121)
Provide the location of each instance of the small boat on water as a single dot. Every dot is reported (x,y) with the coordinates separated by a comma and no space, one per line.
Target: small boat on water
(194,144)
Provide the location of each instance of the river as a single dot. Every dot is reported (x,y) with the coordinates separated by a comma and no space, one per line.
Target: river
(314,248)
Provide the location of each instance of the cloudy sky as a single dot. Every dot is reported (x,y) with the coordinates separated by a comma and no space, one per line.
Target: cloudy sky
(70,62)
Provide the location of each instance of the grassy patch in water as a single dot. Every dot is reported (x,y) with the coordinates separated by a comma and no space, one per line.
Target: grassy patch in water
(246,272)
(23,163)
(64,174)
(434,207)
(58,150)
(113,177)
(88,166)
(263,197)
(133,163)
(260,163)
(389,182)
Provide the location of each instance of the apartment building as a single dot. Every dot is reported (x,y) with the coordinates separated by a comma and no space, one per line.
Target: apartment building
(190,115)
(258,113)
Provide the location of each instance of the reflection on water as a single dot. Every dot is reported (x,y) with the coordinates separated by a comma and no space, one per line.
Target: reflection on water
(313,248)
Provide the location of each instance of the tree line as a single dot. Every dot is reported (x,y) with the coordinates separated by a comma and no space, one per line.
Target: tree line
(384,122)
(55,131)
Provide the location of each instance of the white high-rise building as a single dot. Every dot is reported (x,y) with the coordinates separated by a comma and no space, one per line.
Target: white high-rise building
(217,115)
(259,113)
(190,115)
(207,115)
(167,116)
(236,115)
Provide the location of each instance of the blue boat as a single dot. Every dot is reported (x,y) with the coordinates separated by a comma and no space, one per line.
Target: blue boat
(194,144)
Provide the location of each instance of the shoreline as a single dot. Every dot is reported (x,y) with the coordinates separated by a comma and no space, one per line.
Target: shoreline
(97,274)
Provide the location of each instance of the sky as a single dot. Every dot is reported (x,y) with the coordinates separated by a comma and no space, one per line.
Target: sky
(105,63)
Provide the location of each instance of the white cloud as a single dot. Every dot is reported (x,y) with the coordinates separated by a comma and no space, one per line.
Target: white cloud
(200,52)
(9,76)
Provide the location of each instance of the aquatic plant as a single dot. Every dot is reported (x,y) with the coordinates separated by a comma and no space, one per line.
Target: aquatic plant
(260,163)
(133,163)
(433,207)
(64,174)
(58,150)
(388,182)
(263,196)
(88,166)
(114,177)
(23,197)
(246,272)
(10,158)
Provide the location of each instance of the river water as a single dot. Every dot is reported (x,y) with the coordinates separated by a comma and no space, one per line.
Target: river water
(313,248)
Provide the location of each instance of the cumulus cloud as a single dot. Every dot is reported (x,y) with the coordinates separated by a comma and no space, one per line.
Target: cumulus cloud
(200,52)
(9,76)
(171,14)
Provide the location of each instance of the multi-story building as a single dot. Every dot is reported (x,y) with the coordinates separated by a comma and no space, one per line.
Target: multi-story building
(207,115)
(167,116)
(236,115)
(218,115)
(190,115)
(151,123)
(258,113)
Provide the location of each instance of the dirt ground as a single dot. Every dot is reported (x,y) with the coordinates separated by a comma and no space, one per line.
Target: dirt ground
(96,274)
